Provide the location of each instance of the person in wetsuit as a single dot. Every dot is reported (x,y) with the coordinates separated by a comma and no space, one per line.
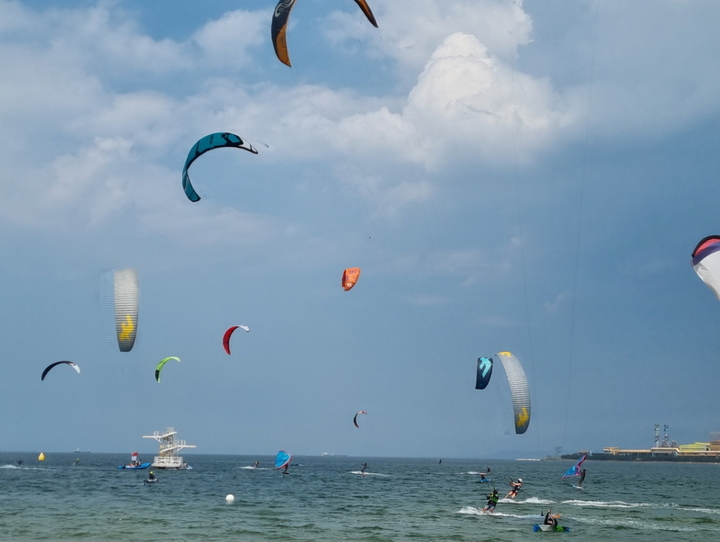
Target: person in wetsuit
(582,478)
(549,519)
(514,488)
(492,501)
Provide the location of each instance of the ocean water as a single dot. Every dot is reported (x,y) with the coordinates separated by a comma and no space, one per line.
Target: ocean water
(326,499)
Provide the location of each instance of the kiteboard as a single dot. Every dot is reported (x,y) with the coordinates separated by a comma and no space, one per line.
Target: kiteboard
(578,487)
(135,467)
(485,481)
(550,528)
(151,481)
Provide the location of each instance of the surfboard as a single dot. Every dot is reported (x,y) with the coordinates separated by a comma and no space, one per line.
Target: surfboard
(550,528)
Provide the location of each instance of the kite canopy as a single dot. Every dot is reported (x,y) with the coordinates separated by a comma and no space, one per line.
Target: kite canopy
(162,364)
(484,372)
(126,308)
(355,418)
(282,459)
(47,369)
(519,391)
(278,27)
(706,262)
(228,334)
(350,277)
(209,142)
(575,469)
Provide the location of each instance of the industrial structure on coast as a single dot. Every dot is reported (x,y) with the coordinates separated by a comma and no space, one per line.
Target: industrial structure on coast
(665,450)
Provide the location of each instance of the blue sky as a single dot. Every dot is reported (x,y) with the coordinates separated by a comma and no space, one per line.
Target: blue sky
(522,176)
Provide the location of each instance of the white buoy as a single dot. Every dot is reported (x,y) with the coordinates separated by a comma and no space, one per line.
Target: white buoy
(230,497)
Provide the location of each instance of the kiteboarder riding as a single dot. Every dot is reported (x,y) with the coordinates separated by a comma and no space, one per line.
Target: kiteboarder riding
(493,499)
(515,487)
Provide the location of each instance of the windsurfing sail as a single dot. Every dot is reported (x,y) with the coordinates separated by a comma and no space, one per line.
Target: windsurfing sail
(208,143)
(519,391)
(228,334)
(126,308)
(278,27)
(282,459)
(484,372)
(49,367)
(162,364)
(350,277)
(355,418)
(575,469)
(706,262)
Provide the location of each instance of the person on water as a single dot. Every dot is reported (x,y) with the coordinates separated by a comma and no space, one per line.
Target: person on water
(550,519)
(151,476)
(256,464)
(488,470)
(514,488)
(492,501)
(482,477)
(582,478)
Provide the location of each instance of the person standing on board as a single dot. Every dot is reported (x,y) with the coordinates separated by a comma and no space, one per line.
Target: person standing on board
(582,478)
(514,488)
(492,501)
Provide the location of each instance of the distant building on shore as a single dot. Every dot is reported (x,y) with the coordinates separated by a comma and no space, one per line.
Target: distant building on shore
(665,450)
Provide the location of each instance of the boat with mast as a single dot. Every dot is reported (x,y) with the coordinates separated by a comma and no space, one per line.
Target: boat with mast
(169,447)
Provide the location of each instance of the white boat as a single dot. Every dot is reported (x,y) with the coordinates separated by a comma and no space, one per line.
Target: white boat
(169,446)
